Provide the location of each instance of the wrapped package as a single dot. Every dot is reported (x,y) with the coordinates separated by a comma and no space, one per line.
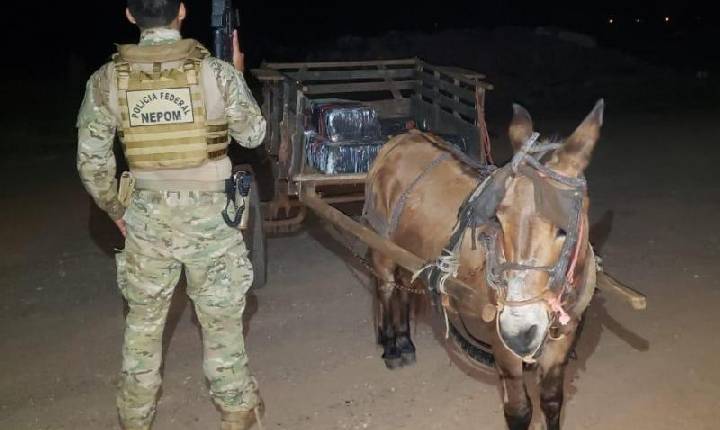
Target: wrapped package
(334,158)
(395,126)
(344,120)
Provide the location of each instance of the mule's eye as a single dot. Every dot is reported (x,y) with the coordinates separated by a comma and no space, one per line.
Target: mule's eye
(561,234)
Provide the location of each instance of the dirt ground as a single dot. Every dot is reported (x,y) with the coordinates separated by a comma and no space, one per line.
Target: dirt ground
(654,189)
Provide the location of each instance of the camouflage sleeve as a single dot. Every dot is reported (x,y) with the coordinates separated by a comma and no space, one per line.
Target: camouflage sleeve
(247,125)
(96,134)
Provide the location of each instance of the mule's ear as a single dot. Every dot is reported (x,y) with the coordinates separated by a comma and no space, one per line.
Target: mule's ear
(521,127)
(574,156)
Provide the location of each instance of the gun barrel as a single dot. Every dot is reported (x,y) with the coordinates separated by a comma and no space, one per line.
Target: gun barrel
(218,12)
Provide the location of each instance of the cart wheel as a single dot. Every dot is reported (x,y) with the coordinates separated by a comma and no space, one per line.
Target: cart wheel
(255,239)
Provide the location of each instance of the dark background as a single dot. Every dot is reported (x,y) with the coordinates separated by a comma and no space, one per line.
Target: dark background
(88,29)
(640,61)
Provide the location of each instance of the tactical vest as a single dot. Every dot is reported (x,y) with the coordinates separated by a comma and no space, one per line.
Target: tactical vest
(162,107)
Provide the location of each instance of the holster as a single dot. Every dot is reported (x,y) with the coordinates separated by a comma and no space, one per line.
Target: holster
(237,208)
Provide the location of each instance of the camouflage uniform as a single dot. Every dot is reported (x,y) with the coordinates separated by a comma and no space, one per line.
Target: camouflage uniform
(167,231)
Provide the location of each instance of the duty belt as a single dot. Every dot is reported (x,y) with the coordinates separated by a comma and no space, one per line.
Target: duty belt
(180,185)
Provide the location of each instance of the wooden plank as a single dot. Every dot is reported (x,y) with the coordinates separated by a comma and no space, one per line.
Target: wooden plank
(358,87)
(449,103)
(336,64)
(284,152)
(322,179)
(276,114)
(264,74)
(267,114)
(608,284)
(297,155)
(454,89)
(467,77)
(459,72)
(350,198)
(350,75)
(391,108)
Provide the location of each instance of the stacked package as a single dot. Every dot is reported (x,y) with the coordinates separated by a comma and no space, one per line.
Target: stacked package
(334,158)
(344,136)
(344,120)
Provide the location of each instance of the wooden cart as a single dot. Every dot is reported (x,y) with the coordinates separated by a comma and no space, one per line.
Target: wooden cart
(440,99)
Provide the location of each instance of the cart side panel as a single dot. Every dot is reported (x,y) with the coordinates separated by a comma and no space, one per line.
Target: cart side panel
(439,99)
(445,103)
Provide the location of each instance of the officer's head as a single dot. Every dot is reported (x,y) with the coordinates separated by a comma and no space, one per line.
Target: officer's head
(155,13)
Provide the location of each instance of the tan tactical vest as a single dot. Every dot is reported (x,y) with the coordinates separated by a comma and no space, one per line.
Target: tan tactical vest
(164,121)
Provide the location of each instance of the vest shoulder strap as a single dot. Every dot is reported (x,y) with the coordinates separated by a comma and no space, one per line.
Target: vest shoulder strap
(178,51)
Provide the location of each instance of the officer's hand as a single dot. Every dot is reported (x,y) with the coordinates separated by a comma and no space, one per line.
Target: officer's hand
(120,223)
(238,56)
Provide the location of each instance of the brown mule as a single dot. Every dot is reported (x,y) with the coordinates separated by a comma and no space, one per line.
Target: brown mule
(529,260)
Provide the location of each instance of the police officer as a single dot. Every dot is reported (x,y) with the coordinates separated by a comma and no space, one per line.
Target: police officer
(174,108)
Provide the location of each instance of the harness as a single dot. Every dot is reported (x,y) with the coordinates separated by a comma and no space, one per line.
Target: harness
(558,198)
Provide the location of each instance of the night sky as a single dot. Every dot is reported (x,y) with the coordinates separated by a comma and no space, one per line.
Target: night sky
(88,29)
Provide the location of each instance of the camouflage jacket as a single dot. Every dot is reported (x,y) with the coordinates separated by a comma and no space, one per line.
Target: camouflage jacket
(97,125)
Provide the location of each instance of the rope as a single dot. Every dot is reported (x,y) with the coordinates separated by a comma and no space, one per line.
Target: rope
(448,264)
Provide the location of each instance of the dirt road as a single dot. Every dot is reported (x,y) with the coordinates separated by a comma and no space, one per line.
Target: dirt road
(654,189)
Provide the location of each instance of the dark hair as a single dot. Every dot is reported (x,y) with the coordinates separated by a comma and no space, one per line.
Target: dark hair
(154,13)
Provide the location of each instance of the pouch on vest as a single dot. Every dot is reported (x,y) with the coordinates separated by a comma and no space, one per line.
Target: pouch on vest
(126,188)
(162,107)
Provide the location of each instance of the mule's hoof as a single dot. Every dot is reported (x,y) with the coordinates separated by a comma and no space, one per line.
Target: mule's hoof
(393,363)
(408,358)
(407,349)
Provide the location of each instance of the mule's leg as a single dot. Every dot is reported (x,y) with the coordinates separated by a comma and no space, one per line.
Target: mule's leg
(387,337)
(404,342)
(517,405)
(551,368)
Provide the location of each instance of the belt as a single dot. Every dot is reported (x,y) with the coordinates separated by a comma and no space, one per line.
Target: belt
(180,185)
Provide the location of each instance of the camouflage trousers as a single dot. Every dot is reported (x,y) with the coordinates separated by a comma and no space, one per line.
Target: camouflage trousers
(167,231)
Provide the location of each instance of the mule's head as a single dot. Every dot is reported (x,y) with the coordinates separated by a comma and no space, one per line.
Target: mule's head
(530,238)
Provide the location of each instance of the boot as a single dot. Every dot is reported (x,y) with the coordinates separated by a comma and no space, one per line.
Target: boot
(242,420)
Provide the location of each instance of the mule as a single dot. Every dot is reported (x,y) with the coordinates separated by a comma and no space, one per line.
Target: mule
(527,255)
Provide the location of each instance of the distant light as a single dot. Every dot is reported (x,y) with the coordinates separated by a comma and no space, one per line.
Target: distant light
(667,19)
(637,20)
(611,20)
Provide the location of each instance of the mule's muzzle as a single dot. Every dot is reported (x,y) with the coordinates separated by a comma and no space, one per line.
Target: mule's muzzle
(523,329)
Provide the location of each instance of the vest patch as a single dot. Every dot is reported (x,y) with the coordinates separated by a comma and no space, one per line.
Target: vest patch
(160,107)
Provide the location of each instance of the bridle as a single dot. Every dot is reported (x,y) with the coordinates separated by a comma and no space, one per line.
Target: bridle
(558,198)
(526,163)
